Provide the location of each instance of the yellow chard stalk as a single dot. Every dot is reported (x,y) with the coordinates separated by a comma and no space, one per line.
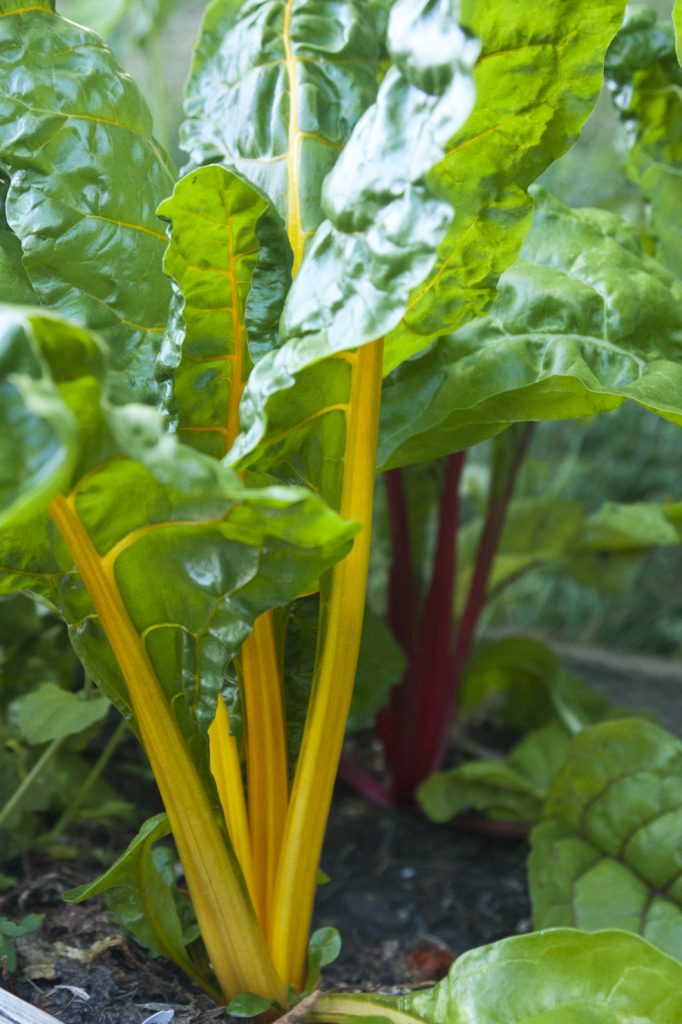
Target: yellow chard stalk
(313,405)
(234,941)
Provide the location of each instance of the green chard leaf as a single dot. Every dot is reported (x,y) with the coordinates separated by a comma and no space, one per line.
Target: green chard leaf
(248,1005)
(141,893)
(278,95)
(561,976)
(323,949)
(380,240)
(381,664)
(195,554)
(230,261)
(529,688)
(511,790)
(10,930)
(537,80)
(40,434)
(15,286)
(645,78)
(608,853)
(584,320)
(86,177)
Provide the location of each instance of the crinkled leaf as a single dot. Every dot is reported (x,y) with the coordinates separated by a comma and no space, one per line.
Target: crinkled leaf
(49,713)
(86,178)
(584,320)
(218,552)
(537,80)
(279,94)
(141,899)
(562,976)
(230,260)
(645,78)
(608,854)
(381,237)
(15,287)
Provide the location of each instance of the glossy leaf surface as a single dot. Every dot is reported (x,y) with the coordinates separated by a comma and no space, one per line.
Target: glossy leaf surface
(608,854)
(537,80)
(15,287)
(553,977)
(644,77)
(86,178)
(230,259)
(585,319)
(220,553)
(381,238)
(278,95)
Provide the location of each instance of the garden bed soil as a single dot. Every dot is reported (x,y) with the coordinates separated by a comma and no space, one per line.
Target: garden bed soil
(399,885)
(406,895)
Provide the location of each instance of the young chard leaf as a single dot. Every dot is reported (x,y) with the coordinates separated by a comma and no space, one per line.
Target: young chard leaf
(380,240)
(278,96)
(230,260)
(537,80)
(227,552)
(10,930)
(561,976)
(608,853)
(181,507)
(644,76)
(142,901)
(323,949)
(584,320)
(514,790)
(86,178)
(248,1005)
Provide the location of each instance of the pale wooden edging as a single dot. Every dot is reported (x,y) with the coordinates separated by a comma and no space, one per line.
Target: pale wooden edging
(16,1011)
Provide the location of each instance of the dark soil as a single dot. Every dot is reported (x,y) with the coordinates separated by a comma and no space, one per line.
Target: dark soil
(398,884)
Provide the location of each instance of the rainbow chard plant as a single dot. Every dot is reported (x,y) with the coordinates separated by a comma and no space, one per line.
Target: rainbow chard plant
(189,457)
